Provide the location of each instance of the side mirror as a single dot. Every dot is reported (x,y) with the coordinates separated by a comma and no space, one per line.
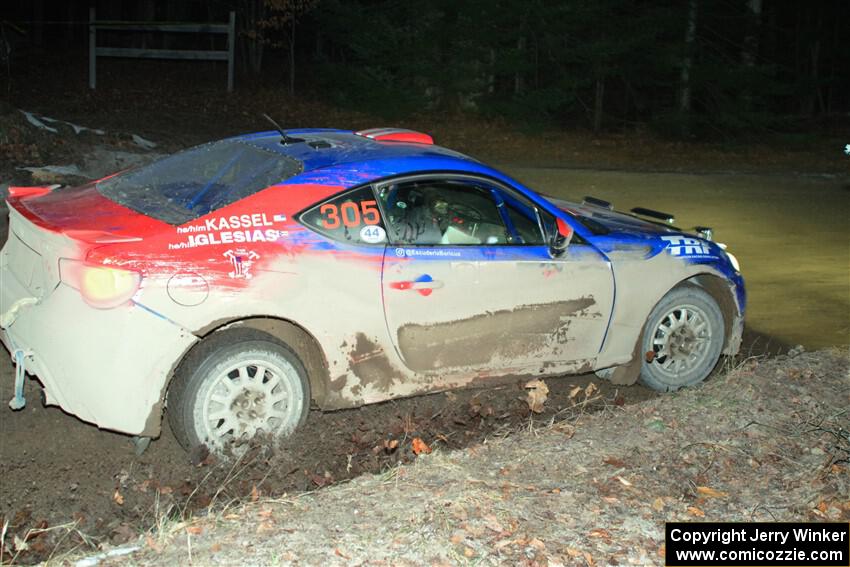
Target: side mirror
(560,240)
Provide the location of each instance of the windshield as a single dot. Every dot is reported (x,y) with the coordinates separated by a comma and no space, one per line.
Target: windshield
(590,224)
(192,183)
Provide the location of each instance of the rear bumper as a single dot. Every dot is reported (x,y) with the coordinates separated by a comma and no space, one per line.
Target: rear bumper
(108,367)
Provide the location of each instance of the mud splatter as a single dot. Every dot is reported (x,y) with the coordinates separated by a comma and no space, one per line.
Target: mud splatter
(337,384)
(369,362)
(511,333)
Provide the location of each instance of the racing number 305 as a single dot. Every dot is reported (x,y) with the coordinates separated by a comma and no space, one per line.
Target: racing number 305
(350,214)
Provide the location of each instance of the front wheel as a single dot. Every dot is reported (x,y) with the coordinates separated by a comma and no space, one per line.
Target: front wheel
(682,339)
(237,386)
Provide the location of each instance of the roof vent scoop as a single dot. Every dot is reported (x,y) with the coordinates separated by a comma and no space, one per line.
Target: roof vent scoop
(396,135)
(588,200)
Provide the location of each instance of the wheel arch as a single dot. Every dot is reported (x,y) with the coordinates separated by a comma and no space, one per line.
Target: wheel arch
(299,339)
(723,294)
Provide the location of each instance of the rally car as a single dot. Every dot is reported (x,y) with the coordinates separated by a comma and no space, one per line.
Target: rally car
(242,282)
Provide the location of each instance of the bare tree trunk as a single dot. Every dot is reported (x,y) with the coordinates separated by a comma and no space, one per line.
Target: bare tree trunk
(146,12)
(812,97)
(833,75)
(815,75)
(491,76)
(292,57)
(253,11)
(519,79)
(751,39)
(687,64)
(749,53)
(37,22)
(598,104)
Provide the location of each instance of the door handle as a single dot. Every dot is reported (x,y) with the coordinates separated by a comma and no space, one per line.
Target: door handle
(424,285)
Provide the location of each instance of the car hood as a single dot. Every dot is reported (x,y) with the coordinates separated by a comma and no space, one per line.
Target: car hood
(612,221)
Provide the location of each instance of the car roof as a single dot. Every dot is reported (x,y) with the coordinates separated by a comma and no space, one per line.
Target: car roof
(352,159)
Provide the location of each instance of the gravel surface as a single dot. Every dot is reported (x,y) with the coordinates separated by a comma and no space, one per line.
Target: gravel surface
(767,442)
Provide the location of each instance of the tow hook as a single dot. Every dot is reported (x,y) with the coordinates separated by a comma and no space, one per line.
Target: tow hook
(19,402)
(20,355)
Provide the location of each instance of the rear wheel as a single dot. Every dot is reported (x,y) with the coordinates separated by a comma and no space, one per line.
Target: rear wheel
(236,386)
(682,339)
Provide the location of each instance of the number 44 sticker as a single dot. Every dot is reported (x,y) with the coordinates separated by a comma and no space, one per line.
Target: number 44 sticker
(372,234)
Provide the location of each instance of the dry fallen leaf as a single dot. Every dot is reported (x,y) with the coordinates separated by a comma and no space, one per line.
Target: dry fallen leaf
(151,543)
(575,392)
(118,498)
(341,554)
(694,511)
(590,390)
(600,532)
(537,544)
(538,391)
(492,523)
(709,492)
(215,548)
(420,446)
(195,530)
(255,494)
(658,504)
(623,481)
(469,552)
(266,526)
(614,462)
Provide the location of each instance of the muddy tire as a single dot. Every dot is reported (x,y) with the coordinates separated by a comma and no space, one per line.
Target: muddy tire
(236,386)
(685,334)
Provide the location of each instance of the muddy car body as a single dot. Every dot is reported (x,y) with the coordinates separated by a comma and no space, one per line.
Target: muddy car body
(243,281)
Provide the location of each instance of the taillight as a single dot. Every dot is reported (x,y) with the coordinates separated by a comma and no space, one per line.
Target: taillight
(103,287)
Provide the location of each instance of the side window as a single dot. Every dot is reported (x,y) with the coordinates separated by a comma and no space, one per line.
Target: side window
(523,220)
(352,217)
(440,211)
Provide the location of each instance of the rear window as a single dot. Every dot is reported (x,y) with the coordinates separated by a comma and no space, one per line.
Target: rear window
(192,183)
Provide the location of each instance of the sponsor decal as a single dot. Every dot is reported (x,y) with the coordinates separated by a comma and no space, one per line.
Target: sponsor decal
(424,285)
(428,252)
(241,261)
(684,246)
(372,234)
(233,229)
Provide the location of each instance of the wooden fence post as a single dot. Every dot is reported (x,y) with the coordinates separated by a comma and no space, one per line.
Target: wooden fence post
(92,49)
(231,50)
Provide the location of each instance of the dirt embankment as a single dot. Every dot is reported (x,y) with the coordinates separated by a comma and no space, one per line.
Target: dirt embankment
(770,441)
